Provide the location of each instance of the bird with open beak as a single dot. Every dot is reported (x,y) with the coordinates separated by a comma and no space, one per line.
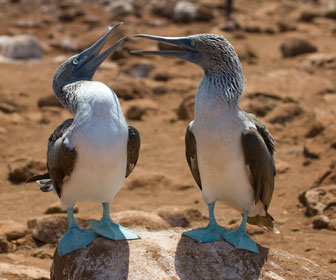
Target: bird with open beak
(229,152)
(90,155)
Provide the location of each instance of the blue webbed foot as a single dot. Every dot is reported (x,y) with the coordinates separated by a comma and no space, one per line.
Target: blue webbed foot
(212,232)
(75,238)
(240,239)
(209,233)
(106,228)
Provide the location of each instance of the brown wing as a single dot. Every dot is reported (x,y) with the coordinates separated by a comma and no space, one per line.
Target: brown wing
(133,148)
(191,155)
(260,160)
(60,159)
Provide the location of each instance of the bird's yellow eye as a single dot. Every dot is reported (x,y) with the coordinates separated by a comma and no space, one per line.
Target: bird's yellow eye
(75,61)
(193,43)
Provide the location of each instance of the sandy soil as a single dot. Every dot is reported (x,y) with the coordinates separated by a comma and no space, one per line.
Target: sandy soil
(296,95)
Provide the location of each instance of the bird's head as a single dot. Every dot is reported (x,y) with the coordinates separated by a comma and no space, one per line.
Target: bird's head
(210,51)
(83,66)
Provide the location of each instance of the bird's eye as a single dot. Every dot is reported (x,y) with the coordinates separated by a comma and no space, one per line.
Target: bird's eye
(75,61)
(193,43)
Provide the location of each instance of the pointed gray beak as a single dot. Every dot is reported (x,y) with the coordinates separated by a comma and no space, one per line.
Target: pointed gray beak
(90,59)
(187,44)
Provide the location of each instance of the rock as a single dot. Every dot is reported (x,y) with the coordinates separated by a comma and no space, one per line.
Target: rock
(204,13)
(309,15)
(12,230)
(332,224)
(136,218)
(327,61)
(184,11)
(42,253)
(281,166)
(7,108)
(318,200)
(179,216)
(47,101)
(162,76)
(284,113)
(186,109)
(148,181)
(5,246)
(136,110)
(140,70)
(55,208)
(21,169)
(294,46)
(167,255)
(320,222)
(120,8)
(130,89)
(15,271)
(314,130)
(22,47)
(246,53)
(50,228)
(285,26)
(66,16)
(309,153)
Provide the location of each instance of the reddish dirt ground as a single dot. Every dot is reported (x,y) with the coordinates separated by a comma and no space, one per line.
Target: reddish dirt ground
(296,95)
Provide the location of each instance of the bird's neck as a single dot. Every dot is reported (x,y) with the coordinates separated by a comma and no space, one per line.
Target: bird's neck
(225,87)
(67,95)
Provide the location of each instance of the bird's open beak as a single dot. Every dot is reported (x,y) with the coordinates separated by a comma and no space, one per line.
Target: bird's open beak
(187,44)
(90,59)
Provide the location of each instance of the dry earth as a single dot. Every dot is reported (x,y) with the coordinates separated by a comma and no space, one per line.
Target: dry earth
(295,95)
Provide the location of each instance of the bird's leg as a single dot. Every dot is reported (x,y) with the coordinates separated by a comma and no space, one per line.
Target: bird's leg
(75,238)
(240,239)
(212,232)
(106,228)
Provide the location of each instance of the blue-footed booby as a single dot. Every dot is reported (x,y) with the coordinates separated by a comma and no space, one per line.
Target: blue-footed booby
(229,152)
(90,155)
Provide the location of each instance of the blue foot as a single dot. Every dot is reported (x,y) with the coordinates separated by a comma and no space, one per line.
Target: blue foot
(106,228)
(112,231)
(75,238)
(209,233)
(240,239)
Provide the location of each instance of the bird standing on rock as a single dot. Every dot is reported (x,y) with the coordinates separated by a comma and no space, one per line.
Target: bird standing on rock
(229,152)
(90,155)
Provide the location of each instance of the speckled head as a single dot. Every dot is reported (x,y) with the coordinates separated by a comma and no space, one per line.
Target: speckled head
(210,51)
(84,65)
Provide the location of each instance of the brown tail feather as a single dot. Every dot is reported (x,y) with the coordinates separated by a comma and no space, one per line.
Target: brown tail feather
(38,177)
(264,221)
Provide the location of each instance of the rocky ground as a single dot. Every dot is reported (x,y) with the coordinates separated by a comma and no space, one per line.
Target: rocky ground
(288,53)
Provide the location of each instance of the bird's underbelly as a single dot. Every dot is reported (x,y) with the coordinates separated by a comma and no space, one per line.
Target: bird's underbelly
(224,174)
(99,171)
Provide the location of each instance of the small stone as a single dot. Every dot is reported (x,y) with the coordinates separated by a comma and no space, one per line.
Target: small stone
(179,216)
(47,101)
(7,108)
(136,218)
(42,253)
(159,90)
(12,230)
(309,15)
(281,167)
(320,222)
(308,153)
(22,47)
(5,246)
(184,11)
(136,110)
(186,109)
(332,224)
(66,17)
(120,8)
(50,228)
(284,113)
(140,70)
(332,260)
(294,46)
(21,169)
(129,89)
(55,208)
(315,130)
(15,271)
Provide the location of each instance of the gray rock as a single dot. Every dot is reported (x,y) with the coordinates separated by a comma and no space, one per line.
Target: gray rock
(120,8)
(21,47)
(167,255)
(12,230)
(21,169)
(320,222)
(184,11)
(15,271)
(294,46)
